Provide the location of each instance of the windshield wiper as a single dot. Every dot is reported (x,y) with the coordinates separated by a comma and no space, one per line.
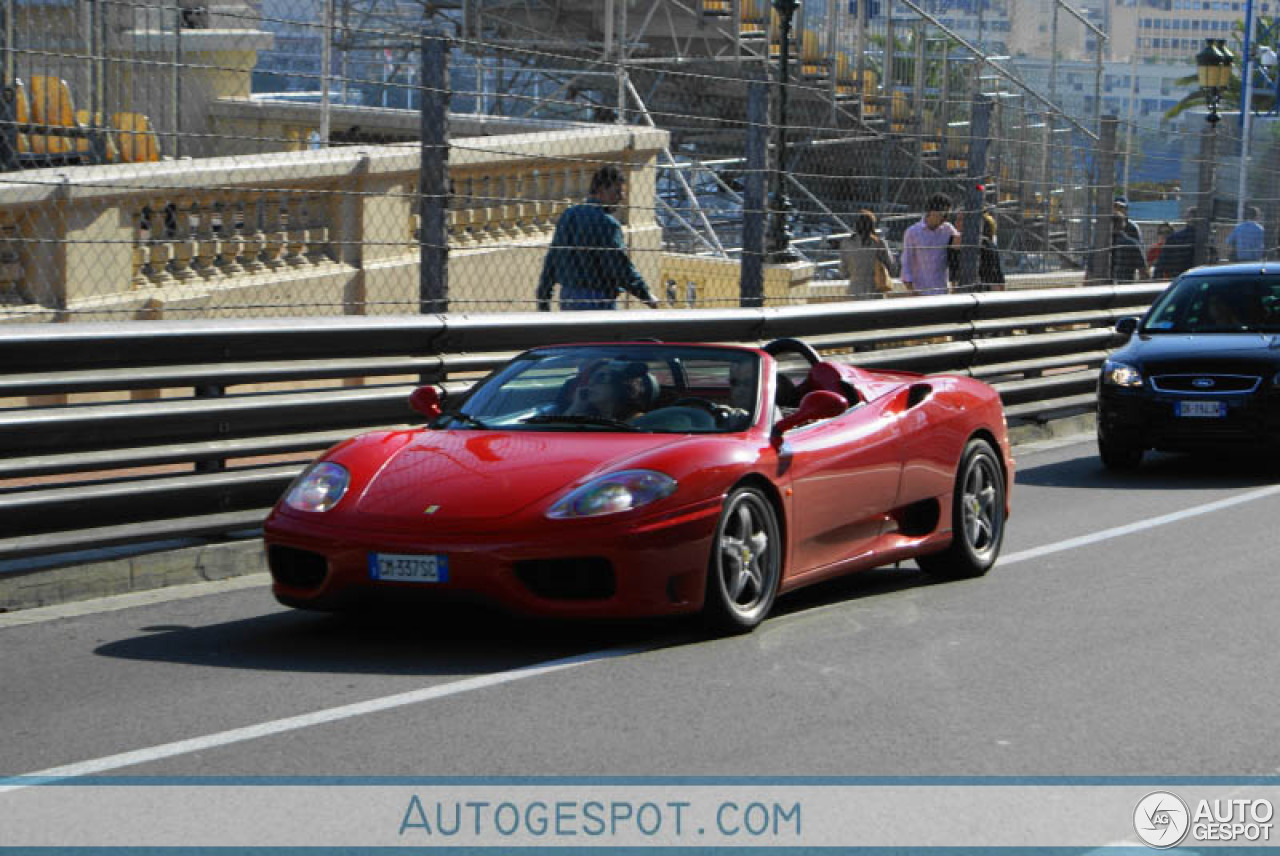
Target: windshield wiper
(579,419)
(459,416)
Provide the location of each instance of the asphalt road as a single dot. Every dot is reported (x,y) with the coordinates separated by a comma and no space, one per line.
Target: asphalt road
(1129,630)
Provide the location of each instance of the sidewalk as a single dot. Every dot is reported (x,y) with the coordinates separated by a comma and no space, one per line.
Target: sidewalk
(103,573)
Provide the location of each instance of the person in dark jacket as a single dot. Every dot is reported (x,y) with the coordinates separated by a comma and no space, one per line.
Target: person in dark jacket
(1127,262)
(588,254)
(1179,251)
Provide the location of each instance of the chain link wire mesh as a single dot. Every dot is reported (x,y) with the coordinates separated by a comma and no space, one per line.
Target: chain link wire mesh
(242,159)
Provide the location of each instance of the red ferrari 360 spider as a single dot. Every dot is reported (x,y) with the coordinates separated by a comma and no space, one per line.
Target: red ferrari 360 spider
(644,478)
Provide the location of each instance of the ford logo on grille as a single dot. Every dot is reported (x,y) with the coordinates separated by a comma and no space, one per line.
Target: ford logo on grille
(1202,383)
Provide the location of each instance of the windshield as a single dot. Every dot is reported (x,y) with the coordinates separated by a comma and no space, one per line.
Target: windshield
(633,388)
(1248,303)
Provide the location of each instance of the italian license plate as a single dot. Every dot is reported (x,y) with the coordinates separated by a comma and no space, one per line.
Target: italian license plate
(408,568)
(1201,409)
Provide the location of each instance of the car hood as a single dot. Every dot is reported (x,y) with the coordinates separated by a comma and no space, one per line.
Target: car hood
(1204,351)
(485,475)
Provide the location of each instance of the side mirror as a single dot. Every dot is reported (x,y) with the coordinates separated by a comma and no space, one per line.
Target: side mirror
(1126,325)
(425,400)
(813,407)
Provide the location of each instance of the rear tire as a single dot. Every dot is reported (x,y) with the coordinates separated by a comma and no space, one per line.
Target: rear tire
(977,516)
(1118,456)
(745,564)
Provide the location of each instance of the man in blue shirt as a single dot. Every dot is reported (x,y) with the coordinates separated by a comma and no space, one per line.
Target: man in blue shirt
(588,255)
(1248,240)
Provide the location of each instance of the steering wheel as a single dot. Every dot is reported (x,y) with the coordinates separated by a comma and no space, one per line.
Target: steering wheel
(793,346)
(719,412)
(700,403)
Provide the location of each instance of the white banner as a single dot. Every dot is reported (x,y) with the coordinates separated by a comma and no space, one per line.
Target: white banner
(607,814)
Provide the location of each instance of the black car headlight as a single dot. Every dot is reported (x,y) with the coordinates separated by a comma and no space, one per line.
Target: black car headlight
(1120,374)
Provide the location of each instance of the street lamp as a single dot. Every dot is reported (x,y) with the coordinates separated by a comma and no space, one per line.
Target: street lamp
(780,230)
(1213,68)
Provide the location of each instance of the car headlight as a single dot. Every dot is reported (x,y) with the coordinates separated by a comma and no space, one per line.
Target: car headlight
(1120,374)
(319,488)
(614,493)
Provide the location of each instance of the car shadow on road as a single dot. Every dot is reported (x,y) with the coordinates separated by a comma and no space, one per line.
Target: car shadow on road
(436,641)
(1158,471)
(450,641)
(870,583)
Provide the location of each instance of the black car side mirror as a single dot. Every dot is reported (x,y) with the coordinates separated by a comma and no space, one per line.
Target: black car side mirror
(1125,326)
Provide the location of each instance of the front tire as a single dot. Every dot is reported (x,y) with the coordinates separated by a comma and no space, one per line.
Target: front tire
(1118,456)
(977,516)
(745,564)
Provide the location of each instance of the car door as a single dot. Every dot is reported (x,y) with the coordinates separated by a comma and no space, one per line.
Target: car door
(844,475)
(932,433)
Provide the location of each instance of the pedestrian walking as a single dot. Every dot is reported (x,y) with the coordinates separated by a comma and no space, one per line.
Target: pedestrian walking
(866,261)
(1179,250)
(1127,262)
(588,254)
(924,248)
(1248,240)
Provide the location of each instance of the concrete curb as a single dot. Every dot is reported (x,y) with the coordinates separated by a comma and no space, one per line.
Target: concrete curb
(97,578)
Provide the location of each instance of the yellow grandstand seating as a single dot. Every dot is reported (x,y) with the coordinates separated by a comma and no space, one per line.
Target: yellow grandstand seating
(98,122)
(21,114)
(136,140)
(52,108)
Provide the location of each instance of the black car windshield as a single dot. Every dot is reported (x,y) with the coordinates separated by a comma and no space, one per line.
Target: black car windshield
(626,388)
(1232,303)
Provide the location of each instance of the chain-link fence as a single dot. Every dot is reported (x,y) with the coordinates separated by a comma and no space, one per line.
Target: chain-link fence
(190,159)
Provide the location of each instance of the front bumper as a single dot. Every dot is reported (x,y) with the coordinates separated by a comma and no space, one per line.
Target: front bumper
(1147,419)
(583,570)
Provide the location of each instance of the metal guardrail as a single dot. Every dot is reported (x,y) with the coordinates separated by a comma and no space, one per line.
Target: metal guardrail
(136,432)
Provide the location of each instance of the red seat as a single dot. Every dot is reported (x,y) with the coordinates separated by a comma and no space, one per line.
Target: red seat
(825,376)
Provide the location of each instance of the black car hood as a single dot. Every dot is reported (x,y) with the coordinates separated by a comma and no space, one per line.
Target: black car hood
(1248,352)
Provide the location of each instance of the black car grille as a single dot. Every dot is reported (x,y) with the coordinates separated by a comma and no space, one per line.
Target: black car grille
(581,578)
(296,568)
(1205,384)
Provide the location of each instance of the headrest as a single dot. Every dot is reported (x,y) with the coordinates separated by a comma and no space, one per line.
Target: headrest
(646,385)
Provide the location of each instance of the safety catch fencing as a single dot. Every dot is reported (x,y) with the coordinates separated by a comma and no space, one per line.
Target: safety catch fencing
(127,433)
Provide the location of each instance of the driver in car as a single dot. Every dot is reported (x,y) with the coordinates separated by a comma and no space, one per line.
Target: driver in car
(608,393)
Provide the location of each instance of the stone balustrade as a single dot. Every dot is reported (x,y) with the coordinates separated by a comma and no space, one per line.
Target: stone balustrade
(314,232)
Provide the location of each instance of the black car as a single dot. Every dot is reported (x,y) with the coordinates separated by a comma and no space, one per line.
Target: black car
(1201,369)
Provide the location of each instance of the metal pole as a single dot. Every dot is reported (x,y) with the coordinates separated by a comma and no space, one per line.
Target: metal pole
(1097,82)
(326,40)
(1053,56)
(751,287)
(621,70)
(970,239)
(780,232)
(860,64)
(1204,215)
(1246,109)
(176,84)
(433,178)
(1099,267)
(917,93)
(1128,126)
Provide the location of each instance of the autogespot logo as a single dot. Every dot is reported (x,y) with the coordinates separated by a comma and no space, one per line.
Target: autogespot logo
(1161,820)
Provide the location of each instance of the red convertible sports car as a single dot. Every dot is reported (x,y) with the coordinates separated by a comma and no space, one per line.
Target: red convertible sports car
(604,480)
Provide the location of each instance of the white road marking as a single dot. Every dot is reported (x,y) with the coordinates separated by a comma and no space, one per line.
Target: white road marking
(319,717)
(335,714)
(1139,526)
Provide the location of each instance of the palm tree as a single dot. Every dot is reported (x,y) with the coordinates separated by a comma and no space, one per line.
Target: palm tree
(1231,96)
